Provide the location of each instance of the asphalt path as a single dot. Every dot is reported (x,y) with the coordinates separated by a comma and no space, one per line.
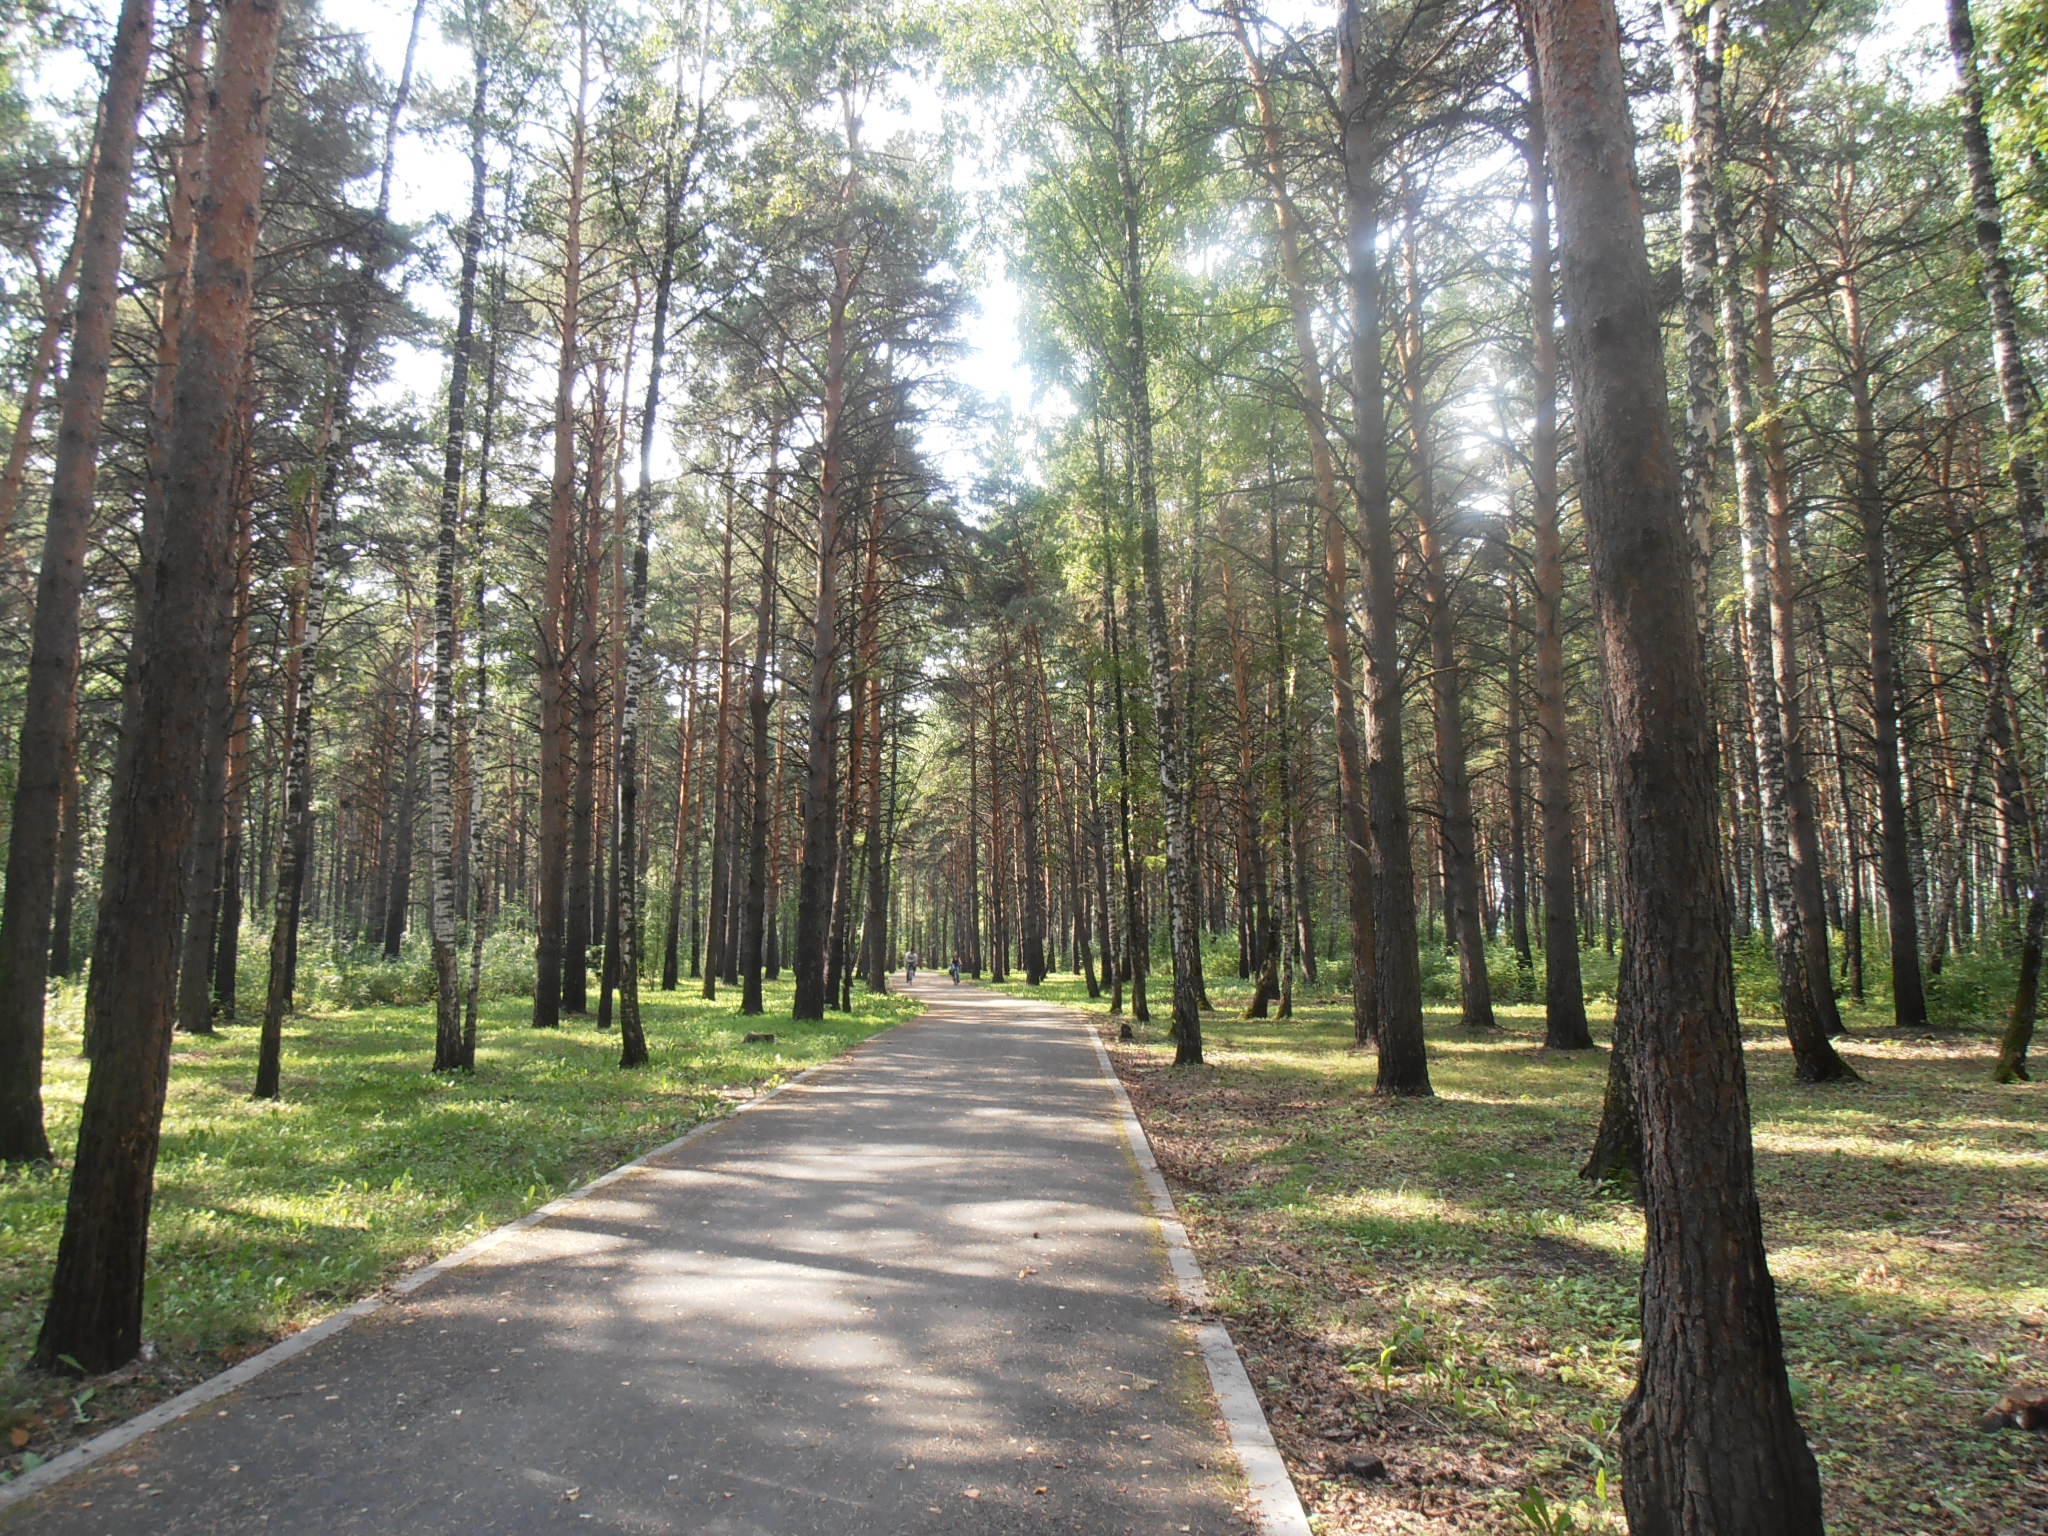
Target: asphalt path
(921,1291)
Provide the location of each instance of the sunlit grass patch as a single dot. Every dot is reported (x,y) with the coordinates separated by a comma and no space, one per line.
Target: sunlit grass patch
(270,1215)
(1432,1280)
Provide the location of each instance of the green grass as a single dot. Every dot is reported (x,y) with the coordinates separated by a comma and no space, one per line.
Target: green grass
(270,1215)
(1431,1280)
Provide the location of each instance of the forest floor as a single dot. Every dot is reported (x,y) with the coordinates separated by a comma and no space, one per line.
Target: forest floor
(270,1216)
(1430,1282)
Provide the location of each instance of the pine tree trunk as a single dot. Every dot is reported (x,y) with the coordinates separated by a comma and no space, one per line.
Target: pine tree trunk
(94,1320)
(48,710)
(686,801)
(1710,1444)
(821,780)
(723,748)
(1397,977)
(1773,709)
(582,899)
(761,753)
(1801,817)
(210,874)
(1895,860)
(64,895)
(1355,826)
(2017,402)
(1517,773)
(1459,826)
(398,899)
(322,556)
(555,659)
(1565,1027)
(875,939)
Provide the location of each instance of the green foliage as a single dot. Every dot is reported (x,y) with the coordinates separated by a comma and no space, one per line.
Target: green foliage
(360,977)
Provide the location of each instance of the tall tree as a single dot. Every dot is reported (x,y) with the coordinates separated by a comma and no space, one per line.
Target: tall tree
(451,1051)
(2017,403)
(1564,1000)
(1710,1443)
(94,1320)
(555,658)
(49,708)
(1397,973)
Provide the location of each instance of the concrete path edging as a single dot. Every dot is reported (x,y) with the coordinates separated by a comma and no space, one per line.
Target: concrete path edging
(122,1435)
(1275,1503)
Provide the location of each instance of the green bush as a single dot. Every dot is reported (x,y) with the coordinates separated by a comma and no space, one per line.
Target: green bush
(1973,989)
(1440,983)
(1512,982)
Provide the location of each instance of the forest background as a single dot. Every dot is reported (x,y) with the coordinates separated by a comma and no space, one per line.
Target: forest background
(918,479)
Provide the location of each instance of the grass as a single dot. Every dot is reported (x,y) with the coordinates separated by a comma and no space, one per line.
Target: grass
(271,1215)
(1430,1280)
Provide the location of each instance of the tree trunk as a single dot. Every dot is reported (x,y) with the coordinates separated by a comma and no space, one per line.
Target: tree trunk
(1354,822)
(210,874)
(686,802)
(821,781)
(1802,818)
(1517,773)
(1895,862)
(2017,402)
(48,710)
(554,659)
(1710,1444)
(761,753)
(1564,1000)
(94,1321)
(1768,646)
(1403,1061)
(1458,827)
(1174,790)
(581,894)
(445,893)
(322,555)
(398,900)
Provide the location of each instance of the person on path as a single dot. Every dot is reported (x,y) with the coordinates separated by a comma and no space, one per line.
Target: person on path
(954,970)
(909,967)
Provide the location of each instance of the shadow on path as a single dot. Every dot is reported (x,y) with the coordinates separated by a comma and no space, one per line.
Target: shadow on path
(916,1293)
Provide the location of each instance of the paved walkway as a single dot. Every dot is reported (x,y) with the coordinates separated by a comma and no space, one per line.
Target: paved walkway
(918,1292)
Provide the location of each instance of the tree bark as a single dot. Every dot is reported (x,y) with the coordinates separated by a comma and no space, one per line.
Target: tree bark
(1182,916)
(209,874)
(821,781)
(761,753)
(322,555)
(1354,823)
(48,710)
(2017,403)
(1710,1444)
(554,657)
(1459,826)
(94,1320)
(1403,1059)
(1895,862)
(1564,1001)
(445,893)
